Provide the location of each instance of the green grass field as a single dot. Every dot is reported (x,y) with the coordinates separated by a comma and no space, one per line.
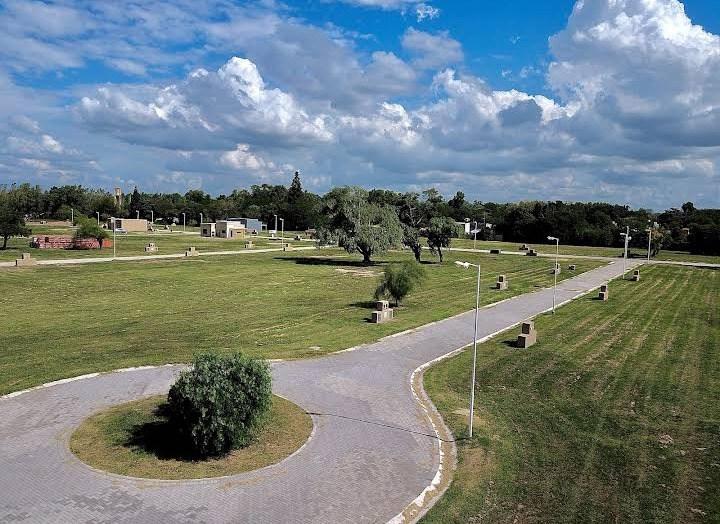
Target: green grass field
(676,256)
(62,321)
(133,244)
(614,416)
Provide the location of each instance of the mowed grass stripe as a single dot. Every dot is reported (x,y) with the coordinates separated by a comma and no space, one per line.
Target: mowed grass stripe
(574,429)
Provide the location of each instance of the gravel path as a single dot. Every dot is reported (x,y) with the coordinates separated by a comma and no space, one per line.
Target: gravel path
(373,449)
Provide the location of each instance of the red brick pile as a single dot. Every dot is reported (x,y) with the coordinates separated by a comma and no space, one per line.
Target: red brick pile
(66,242)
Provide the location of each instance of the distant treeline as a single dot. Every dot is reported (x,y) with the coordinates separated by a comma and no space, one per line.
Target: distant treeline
(590,224)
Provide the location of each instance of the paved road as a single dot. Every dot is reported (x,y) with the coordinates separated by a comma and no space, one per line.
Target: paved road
(373,451)
(136,258)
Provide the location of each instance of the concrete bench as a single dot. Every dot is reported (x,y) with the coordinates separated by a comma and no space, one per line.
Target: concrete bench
(502,282)
(383,312)
(527,336)
(604,293)
(25,260)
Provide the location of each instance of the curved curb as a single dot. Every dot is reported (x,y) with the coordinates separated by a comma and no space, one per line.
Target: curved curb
(200,480)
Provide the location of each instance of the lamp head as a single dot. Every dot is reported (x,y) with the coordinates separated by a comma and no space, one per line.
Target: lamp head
(552,238)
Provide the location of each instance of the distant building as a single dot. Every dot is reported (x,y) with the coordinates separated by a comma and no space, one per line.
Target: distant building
(128,224)
(207,229)
(232,228)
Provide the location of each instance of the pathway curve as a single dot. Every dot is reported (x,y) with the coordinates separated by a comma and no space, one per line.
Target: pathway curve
(373,451)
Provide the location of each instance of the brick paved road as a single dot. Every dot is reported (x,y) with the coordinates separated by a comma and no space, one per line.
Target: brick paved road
(372,453)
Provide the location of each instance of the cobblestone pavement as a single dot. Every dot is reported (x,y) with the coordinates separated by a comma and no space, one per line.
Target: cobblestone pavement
(373,450)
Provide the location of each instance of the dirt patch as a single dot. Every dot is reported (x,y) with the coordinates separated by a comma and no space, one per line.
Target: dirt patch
(366,273)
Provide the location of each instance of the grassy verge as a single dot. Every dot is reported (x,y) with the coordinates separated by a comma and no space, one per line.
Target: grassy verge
(65,321)
(132,439)
(612,417)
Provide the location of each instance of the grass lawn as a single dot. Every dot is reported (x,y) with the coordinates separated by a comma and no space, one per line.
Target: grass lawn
(134,439)
(133,244)
(63,321)
(612,417)
(613,252)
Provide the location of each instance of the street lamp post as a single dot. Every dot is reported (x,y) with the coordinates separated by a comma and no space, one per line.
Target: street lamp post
(137,214)
(627,240)
(72,216)
(152,216)
(276,219)
(282,235)
(555,269)
(98,215)
(467,265)
(201,217)
(649,232)
(114,242)
(475,235)
(183,221)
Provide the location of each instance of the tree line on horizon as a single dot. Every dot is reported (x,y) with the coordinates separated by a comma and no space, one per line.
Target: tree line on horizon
(401,217)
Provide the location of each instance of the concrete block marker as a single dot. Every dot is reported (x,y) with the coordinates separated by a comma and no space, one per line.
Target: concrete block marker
(25,260)
(636,276)
(502,282)
(555,270)
(249,244)
(191,252)
(572,267)
(494,251)
(531,253)
(604,293)
(524,247)
(151,248)
(527,336)
(287,247)
(383,312)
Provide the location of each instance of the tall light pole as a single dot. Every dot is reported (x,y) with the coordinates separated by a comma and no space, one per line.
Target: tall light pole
(137,214)
(649,232)
(627,240)
(72,216)
(114,228)
(98,215)
(555,269)
(183,221)
(282,235)
(201,216)
(152,216)
(276,218)
(475,235)
(467,265)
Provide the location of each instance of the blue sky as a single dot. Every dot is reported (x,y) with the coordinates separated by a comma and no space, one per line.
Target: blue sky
(589,100)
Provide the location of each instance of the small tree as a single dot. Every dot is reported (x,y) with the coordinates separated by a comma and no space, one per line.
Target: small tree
(440,233)
(89,228)
(411,239)
(220,403)
(12,221)
(399,282)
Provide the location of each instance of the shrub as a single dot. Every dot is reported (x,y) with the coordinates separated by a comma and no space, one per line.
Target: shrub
(398,282)
(89,228)
(220,403)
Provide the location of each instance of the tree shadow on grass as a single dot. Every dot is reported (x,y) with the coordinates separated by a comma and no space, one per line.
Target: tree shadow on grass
(309,261)
(511,343)
(160,438)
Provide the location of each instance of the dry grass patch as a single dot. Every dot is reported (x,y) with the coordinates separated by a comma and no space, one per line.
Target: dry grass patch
(132,439)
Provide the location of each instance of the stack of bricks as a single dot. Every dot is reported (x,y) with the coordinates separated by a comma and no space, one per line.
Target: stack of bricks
(604,293)
(636,276)
(572,267)
(249,244)
(494,251)
(531,253)
(191,252)
(25,260)
(527,336)
(502,282)
(151,248)
(555,270)
(382,312)
(524,247)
